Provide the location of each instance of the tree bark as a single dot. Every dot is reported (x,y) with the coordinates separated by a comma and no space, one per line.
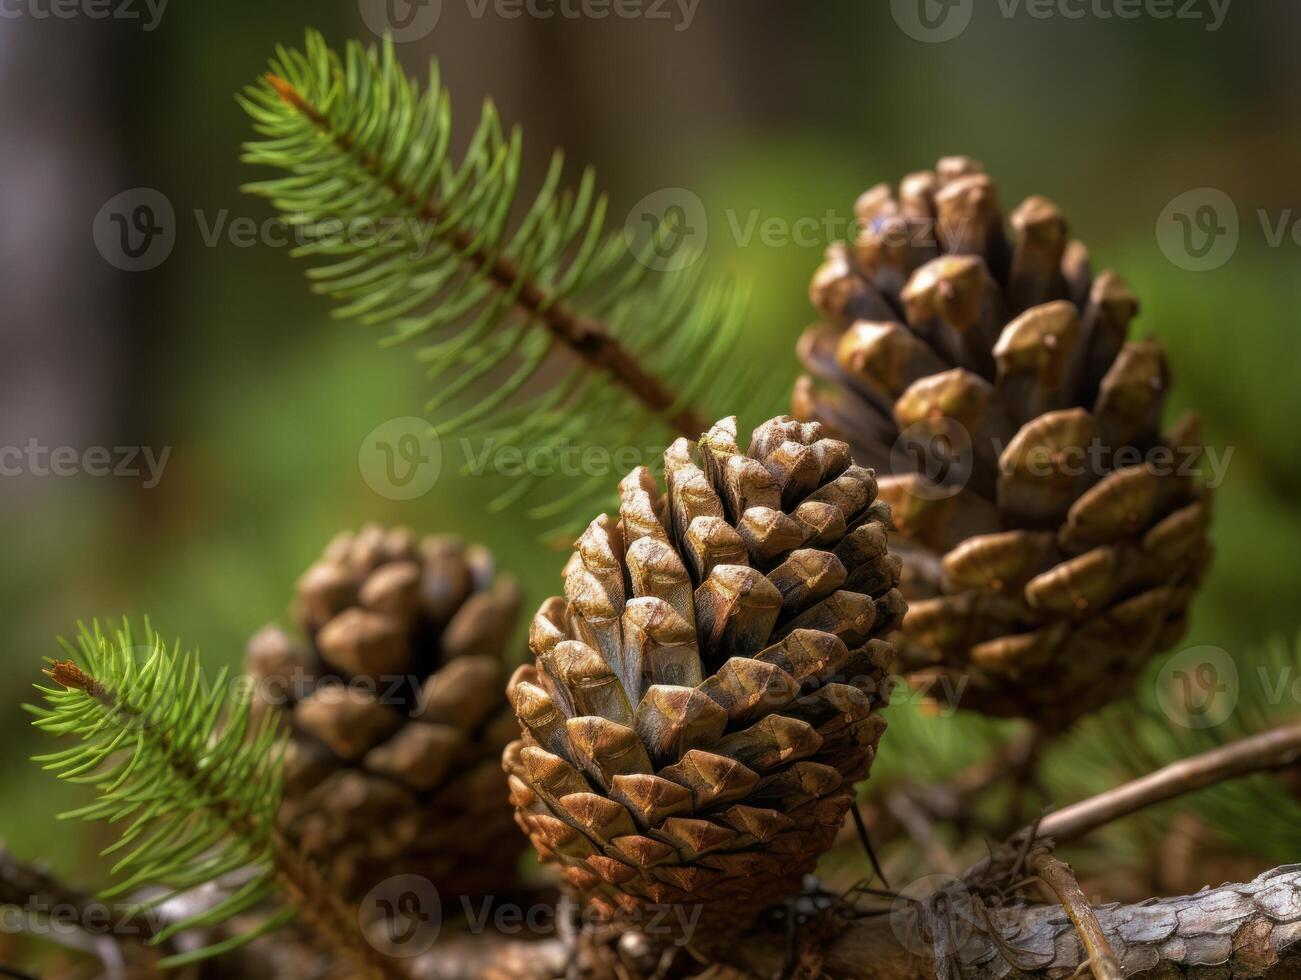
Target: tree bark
(1248,931)
(1234,931)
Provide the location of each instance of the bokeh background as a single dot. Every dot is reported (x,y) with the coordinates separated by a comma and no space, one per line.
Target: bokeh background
(767,111)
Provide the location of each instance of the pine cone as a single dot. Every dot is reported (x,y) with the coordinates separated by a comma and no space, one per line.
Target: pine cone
(708,690)
(1050,538)
(398,712)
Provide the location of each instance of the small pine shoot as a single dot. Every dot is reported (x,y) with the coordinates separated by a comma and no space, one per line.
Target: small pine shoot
(539,328)
(178,762)
(172,754)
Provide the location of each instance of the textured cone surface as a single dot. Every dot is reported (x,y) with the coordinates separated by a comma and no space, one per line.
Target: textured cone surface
(708,689)
(398,712)
(1052,535)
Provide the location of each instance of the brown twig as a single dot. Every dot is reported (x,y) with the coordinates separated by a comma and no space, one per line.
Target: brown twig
(1059,878)
(586,336)
(919,826)
(1273,749)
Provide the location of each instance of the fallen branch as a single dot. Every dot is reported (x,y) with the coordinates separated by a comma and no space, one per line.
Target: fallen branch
(1254,928)
(1248,931)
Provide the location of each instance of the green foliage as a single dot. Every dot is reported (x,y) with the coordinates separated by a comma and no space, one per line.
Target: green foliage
(495,303)
(930,743)
(179,760)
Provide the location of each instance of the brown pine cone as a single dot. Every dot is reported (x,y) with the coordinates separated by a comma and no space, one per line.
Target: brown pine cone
(708,690)
(398,712)
(1052,538)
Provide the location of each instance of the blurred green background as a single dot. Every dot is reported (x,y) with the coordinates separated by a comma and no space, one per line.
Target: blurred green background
(763,109)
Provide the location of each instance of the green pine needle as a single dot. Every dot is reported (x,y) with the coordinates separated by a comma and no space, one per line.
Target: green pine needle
(540,331)
(176,763)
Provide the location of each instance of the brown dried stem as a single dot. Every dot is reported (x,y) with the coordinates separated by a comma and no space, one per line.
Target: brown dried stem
(585,336)
(1269,750)
(1060,879)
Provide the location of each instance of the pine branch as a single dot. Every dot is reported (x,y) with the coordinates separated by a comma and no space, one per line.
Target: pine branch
(585,336)
(363,146)
(1251,928)
(173,752)
(1263,752)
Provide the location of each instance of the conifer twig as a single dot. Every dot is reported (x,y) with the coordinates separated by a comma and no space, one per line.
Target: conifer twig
(585,336)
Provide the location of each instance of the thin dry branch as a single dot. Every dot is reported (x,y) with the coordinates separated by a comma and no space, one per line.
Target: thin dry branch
(585,336)
(1269,750)
(1060,880)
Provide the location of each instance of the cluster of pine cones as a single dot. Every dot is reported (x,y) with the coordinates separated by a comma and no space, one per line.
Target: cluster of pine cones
(977,433)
